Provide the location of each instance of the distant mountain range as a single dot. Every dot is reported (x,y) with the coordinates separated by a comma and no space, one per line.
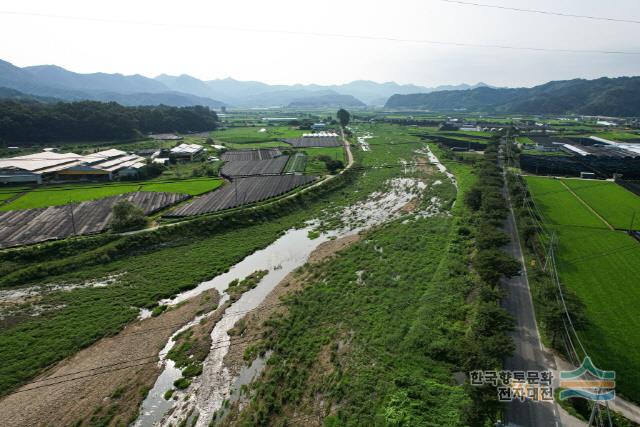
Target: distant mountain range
(257,94)
(51,81)
(604,96)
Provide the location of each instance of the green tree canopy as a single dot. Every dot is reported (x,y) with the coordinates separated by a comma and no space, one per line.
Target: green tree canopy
(127,216)
(344,117)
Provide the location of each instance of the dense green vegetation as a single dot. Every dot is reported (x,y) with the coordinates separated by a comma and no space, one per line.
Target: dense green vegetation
(601,268)
(604,96)
(96,121)
(127,216)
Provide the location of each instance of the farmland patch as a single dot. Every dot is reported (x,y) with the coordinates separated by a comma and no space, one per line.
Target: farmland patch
(29,226)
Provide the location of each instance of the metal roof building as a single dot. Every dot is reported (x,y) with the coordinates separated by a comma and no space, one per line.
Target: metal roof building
(48,165)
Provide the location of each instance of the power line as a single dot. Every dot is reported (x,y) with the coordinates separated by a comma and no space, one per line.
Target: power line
(318,34)
(542,12)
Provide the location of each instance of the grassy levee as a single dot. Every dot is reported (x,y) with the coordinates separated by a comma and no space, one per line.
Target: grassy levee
(601,267)
(152,265)
(614,203)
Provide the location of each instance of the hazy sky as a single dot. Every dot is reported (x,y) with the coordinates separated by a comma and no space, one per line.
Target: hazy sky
(209,39)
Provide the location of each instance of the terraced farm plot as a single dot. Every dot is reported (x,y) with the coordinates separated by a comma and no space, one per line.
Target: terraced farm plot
(273,166)
(602,267)
(242,191)
(322,141)
(259,154)
(21,227)
(613,202)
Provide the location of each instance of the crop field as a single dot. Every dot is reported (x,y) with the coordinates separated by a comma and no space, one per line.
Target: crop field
(297,163)
(242,191)
(558,206)
(614,203)
(59,195)
(246,135)
(316,166)
(259,154)
(273,166)
(320,141)
(602,267)
(21,227)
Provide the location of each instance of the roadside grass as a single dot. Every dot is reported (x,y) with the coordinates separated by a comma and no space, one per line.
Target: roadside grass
(614,203)
(601,267)
(60,195)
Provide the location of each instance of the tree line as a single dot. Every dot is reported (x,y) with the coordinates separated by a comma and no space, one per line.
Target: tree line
(34,122)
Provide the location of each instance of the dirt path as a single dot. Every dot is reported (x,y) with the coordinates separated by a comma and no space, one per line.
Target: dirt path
(107,380)
(347,148)
(586,205)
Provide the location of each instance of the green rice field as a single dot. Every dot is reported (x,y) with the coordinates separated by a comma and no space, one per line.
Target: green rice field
(602,267)
(614,203)
(253,134)
(60,195)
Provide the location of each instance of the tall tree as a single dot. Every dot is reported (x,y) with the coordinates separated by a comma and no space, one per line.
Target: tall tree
(344,117)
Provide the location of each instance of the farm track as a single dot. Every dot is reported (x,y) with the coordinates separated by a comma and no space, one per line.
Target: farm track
(587,206)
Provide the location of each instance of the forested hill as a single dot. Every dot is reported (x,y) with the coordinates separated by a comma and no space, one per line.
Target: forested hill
(28,121)
(605,96)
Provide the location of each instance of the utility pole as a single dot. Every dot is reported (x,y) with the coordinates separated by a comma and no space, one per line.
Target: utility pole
(73,220)
(235,182)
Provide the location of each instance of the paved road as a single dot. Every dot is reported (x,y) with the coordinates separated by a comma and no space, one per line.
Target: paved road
(529,353)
